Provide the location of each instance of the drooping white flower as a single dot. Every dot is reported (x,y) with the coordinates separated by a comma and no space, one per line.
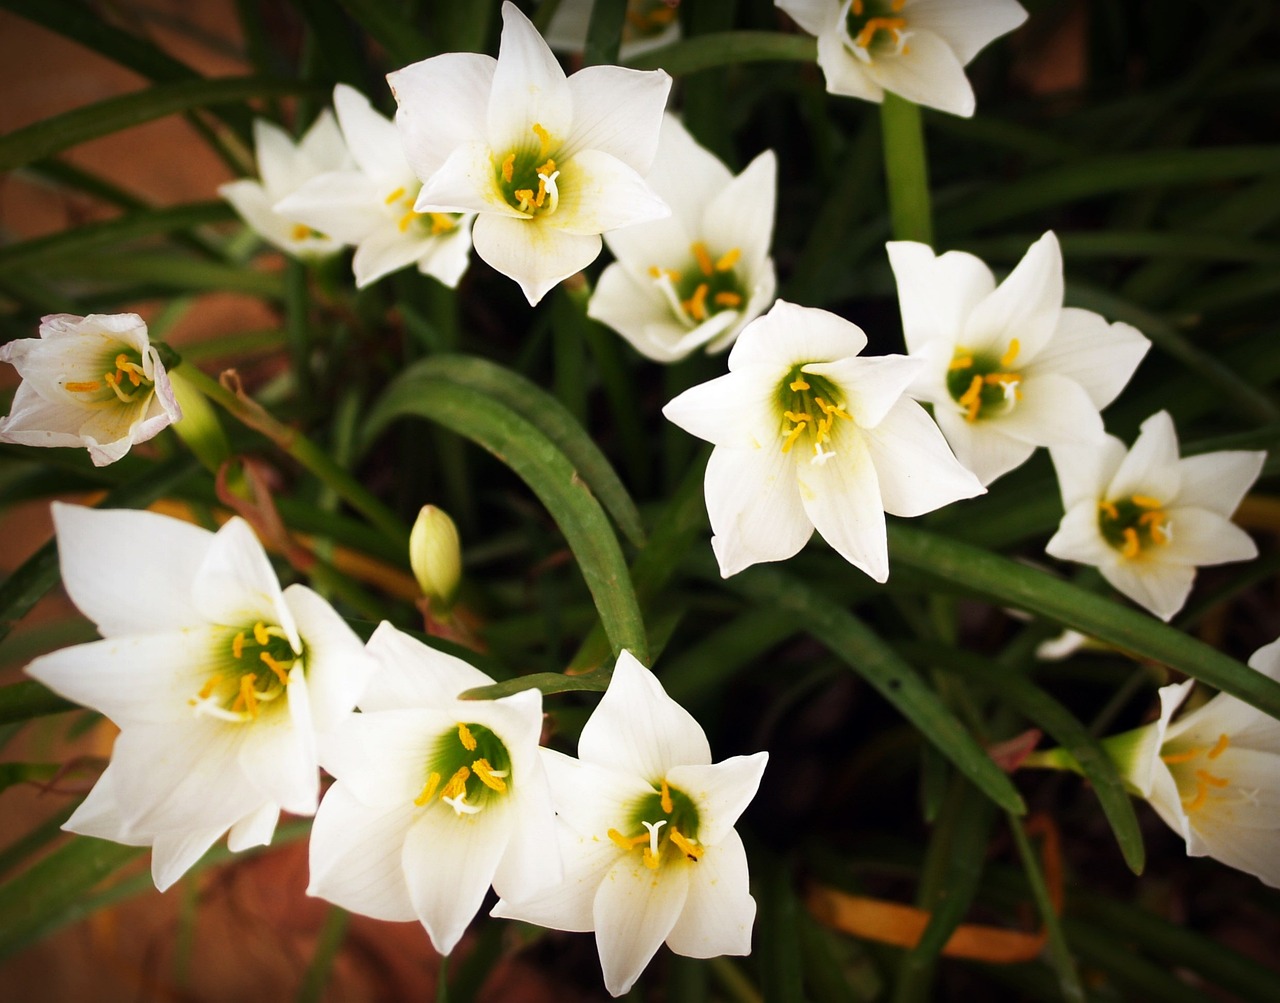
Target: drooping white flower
(92,381)
(916,49)
(218,681)
(1146,518)
(371,207)
(284,168)
(1214,774)
(550,163)
(696,278)
(646,833)
(650,24)
(809,435)
(436,797)
(1008,368)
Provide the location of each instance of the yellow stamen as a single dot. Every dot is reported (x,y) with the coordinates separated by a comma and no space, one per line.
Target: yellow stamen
(727,299)
(1183,757)
(1111,511)
(799,383)
(281,669)
(406,221)
(428,789)
(696,304)
(466,738)
(114,383)
(300,231)
(457,783)
(395,196)
(667,805)
(247,698)
(441,223)
(728,259)
(961,362)
(1132,545)
(549,168)
(83,387)
(874,24)
(1205,777)
(971,400)
(1004,379)
(1014,347)
(650,859)
(260,634)
(703,258)
(793,436)
(627,842)
(1220,748)
(1202,795)
(544,140)
(509,168)
(1146,501)
(832,411)
(207,689)
(237,645)
(690,849)
(525,197)
(484,771)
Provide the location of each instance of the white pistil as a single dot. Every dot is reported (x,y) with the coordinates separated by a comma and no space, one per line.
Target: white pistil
(820,455)
(553,193)
(653,828)
(460,806)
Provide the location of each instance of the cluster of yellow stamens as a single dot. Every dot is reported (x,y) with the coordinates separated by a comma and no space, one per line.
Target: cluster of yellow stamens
(127,374)
(810,410)
(518,168)
(454,791)
(978,383)
(1205,781)
(862,29)
(651,839)
(705,289)
(236,695)
(440,222)
(1132,524)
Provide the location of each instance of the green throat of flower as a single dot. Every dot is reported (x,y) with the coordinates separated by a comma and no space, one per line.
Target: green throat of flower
(467,770)
(705,287)
(252,676)
(984,385)
(527,176)
(1131,525)
(1199,778)
(664,826)
(123,380)
(812,407)
(876,27)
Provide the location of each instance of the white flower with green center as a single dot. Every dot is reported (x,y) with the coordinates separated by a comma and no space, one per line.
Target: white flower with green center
(1147,518)
(371,207)
(646,834)
(1213,775)
(219,682)
(650,24)
(696,278)
(92,381)
(550,163)
(916,49)
(809,435)
(284,168)
(1008,368)
(436,797)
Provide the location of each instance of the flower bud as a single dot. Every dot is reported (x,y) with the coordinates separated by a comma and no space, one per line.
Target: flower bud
(435,555)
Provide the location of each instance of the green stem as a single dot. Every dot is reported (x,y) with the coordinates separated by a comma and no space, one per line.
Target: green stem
(327,947)
(906,169)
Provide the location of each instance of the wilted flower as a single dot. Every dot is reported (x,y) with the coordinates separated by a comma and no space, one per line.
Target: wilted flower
(372,206)
(698,277)
(548,162)
(650,24)
(1008,368)
(92,381)
(646,834)
(218,681)
(808,435)
(286,167)
(436,797)
(916,49)
(1146,518)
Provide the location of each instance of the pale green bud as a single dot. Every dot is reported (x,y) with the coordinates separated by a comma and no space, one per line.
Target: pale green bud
(435,554)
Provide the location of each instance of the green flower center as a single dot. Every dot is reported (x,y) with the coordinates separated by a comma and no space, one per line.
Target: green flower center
(123,379)
(705,287)
(426,223)
(468,768)
(251,677)
(811,407)
(1131,525)
(665,825)
(874,27)
(527,175)
(1198,776)
(983,384)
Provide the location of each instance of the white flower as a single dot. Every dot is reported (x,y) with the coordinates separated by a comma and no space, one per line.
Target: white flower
(1146,518)
(650,24)
(1214,774)
(698,277)
(218,681)
(646,833)
(916,49)
(372,206)
(548,162)
(92,381)
(1008,368)
(807,435)
(286,167)
(436,797)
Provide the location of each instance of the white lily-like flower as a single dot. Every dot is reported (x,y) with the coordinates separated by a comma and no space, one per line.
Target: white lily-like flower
(218,681)
(550,163)
(436,797)
(696,278)
(1008,368)
(1213,775)
(809,435)
(284,168)
(92,381)
(646,833)
(1146,518)
(916,49)
(371,207)
(650,24)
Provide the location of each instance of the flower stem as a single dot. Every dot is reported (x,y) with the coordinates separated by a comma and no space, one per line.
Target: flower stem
(906,169)
(1052,759)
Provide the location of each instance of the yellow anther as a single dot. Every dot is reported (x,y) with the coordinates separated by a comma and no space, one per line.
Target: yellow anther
(1205,777)
(237,645)
(875,24)
(457,783)
(799,384)
(509,168)
(1012,353)
(961,362)
(1202,795)
(210,684)
(1109,509)
(792,437)
(281,669)
(1183,757)
(484,771)
(428,789)
(727,299)
(1132,545)
(627,842)
(689,848)
(1220,747)
(544,140)
(703,258)
(667,805)
(799,416)
(650,859)
(441,223)
(406,221)
(248,698)
(832,411)
(1146,501)
(549,168)
(83,387)
(395,196)
(971,399)
(728,259)
(696,305)
(114,384)
(260,634)
(524,196)
(466,738)
(300,231)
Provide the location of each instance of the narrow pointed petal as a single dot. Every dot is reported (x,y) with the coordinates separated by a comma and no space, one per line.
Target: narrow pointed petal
(443,103)
(236,583)
(528,87)
(1218,481)
(467,181)
(721,791)
(1084,472)
(871,386)
(449,255)
(968,27)
(1201,537)
(1161,588)
(278,164)
(337,666)
(719,913)
(530,864)
(322,144)
(175,852)
(278,752)
(1026,305)
(99,814)
(373,139)
(814,16)
(1053,411)
(753,500)
(926,72)
(915,468)
(381,756)
(618,111)
(685,174)
(384,251)
(842,498)
(345,205)
(1078,537)
(796,334)
(936,293)
(598,192)
(255,829)
(729,411)
(634,911)
(536,256)
(741,215)
(1101,357)
(844,73)
(980,447)
(413,674)
(1151,466)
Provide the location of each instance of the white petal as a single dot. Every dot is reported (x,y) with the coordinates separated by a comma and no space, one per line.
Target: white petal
(386,250)
(372,138)
(110,570)
(99,814)
(871,386)
(1218,481)
(685,174)
(278,753)
(1249,850)
(323,146)
(381,756)
(845,74)
(236,584)
(814,16)
(1079,538)
(741,215)
(638,729)
(1053,410)
(719,912)
(599,192)
(255,829)
(915,467)
(281,169)
(255,207)
(967,27)
(619,112)
(981,446)
(731,411)
(1160,588)
(35,421)
(337,666)
(1151,466)
(466,182)
(753,501)
(528,87)
(536,256)
(531,863)
(443,103)
(927,72)
(635,909)
(1201,537)
(789,334)
(640,313)
(720,791)
(413,674)
(176,852)
(842,498)
(1101,357)
(346,205)
(1026,305)
(936,294)
(448,255)
(1084,472)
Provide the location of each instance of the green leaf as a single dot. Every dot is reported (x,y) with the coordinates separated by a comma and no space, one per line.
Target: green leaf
(170,271)
(726,48)
(27,699)
(20,773)
(52,135)
(388,27)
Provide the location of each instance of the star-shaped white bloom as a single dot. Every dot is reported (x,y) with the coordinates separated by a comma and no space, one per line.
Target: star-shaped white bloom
(285,167)
(548,162)
(916,49)
(436,797)
(646,833)
(809,435)
(1008,368)
(218,681)
(1214,774)
(371,207)
(1146,518)
(696,278)
(650,24)
(92,381)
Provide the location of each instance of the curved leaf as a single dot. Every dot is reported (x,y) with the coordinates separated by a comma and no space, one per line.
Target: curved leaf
(726,48)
